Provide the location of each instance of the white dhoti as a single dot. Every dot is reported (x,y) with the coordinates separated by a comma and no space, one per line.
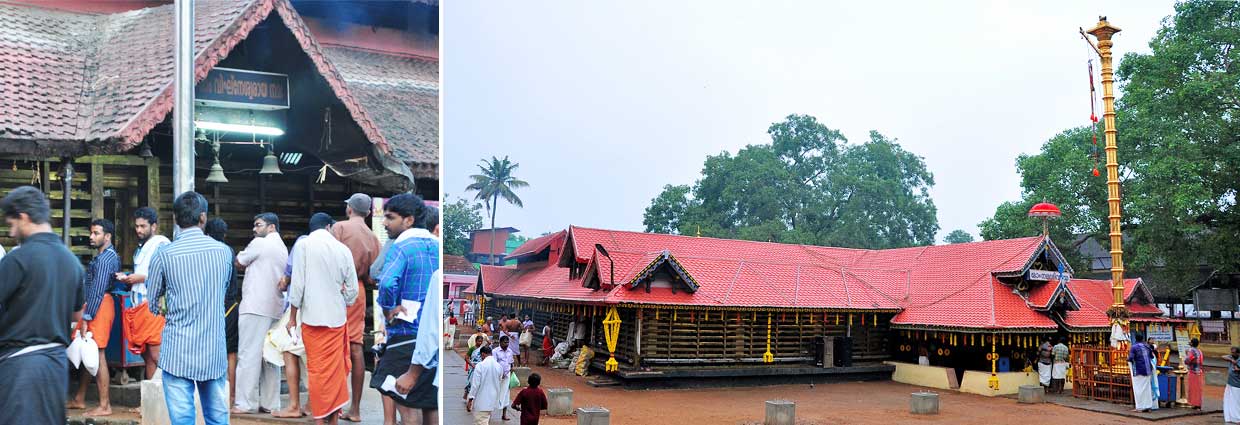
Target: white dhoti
(1044,374)
(923,360)
(1059,370)
(1142,392)
(1231,404)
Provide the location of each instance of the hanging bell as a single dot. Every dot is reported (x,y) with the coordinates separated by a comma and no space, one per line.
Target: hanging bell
(217,174)
(145,152)
(271,164)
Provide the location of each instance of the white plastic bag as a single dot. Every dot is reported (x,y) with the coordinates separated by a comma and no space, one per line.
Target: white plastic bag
(279,341)
(74,352)
(90,354)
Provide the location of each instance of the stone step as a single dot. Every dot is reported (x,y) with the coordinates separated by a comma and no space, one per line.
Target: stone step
(604,381)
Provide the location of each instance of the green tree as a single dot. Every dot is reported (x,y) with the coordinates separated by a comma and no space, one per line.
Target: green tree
(807,186)
(496,181)
(958,236)
(459,217)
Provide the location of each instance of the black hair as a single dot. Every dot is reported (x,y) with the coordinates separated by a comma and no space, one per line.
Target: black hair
(320,221)
(188,208)
(216,228)
(148,214)
(269,218)
(29,201)
(502,339)
(534,379)
(408,205)
(1063,340)
(108,227)
(1193,342)
(486,349)
(1139,337)
(430,218)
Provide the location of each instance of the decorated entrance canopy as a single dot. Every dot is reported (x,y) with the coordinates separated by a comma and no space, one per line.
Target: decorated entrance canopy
(1005,286)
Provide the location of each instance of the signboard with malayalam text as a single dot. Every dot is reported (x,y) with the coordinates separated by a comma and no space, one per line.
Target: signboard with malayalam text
(1159,333)
(242,89)
(1181,341)
(1045,275)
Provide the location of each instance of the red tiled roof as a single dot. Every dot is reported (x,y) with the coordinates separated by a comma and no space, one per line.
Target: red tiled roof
(945,285)
(1094,296)
(79,83)
(456,264)
(536,245)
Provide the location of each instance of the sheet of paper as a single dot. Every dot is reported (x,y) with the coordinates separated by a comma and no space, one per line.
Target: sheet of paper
(412,309)
(389,384)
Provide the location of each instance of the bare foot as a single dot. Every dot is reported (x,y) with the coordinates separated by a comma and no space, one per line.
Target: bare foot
(100,411)
(74,404)
(351,417)
(237,411)
(291,412)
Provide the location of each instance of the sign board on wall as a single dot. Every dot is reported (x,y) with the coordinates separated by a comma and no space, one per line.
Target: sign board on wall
(1181,340)
(1213,326)
(1214,299)
(238,88)
(1046,275)
(1159,333)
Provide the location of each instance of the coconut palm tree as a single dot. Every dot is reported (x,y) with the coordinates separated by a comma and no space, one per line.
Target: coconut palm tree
(495,182)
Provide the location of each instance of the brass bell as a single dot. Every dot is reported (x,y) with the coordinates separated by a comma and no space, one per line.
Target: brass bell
(217,174)
(271,164)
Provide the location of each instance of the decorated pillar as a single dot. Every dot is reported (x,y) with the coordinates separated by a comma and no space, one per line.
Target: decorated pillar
(1103,32)
(611,331)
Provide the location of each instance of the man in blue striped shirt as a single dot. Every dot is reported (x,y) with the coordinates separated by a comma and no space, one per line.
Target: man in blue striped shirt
(192,275)
(99,277)
(406,277)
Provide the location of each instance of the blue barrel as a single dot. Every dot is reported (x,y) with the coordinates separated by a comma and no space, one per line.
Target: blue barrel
(1166,385)
(1005,364)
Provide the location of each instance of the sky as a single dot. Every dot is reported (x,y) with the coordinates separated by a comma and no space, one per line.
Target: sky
(604,103)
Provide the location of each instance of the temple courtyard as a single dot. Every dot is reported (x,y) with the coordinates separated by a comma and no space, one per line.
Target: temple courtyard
(882,402)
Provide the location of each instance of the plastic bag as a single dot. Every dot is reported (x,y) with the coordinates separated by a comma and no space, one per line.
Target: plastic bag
(90,354)
(74,352)
(526,338)
(279,340)
(513,382)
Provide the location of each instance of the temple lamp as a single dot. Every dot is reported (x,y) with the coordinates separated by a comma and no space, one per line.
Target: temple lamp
(599,247)
(1047,211)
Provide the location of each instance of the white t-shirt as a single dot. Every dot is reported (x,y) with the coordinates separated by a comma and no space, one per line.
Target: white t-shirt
(142,263)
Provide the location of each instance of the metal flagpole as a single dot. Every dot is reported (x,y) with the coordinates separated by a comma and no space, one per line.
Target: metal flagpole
(183,95)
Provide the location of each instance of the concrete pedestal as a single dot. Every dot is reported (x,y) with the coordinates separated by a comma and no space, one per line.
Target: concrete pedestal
(593,416)
(1032,394)
(780,412)
(559,401)
(924,403)
(523,375)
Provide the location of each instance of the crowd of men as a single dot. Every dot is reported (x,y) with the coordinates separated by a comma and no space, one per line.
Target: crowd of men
(198,331)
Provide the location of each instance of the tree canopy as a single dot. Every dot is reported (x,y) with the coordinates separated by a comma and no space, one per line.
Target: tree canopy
(958,236)
(809,186)
(459,217)
(1179,156)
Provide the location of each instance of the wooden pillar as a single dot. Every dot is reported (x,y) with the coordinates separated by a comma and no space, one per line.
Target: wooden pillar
(66,179)
(215,199)
(152,184)
(637,358)
(44,184)
(310,182)
(262,193)
(96,189)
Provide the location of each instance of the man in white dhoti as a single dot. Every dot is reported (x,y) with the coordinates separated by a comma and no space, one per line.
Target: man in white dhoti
(1045,362)
(486,387)
(1231,394)
(1139,356)
(1059,371)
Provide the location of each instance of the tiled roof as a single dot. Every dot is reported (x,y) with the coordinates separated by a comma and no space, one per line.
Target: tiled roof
(401,94)
(536,245)
(944,285)
(1094,296)
(455,264)
(76,83)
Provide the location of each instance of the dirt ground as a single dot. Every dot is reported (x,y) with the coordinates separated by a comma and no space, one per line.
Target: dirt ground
(882,403)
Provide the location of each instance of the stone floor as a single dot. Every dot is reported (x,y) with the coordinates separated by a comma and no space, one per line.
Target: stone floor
(1210,406)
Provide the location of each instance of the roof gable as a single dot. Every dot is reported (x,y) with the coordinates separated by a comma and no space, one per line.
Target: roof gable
(664,262)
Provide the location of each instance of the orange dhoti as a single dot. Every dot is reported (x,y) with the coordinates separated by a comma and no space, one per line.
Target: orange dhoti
(142,327)
(327,366)
(101,325)
(356,317)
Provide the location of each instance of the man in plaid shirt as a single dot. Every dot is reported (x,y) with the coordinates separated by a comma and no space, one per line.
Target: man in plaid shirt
(404,283)
(1059,372)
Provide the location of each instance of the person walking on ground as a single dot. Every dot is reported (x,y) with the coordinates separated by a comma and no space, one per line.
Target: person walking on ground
(1046,359)
(449,332)
(1139,363)
(41,293)
(145,329)
(486,385)
(526,339)
(258,382)
(548,344)
(1195,380)
(324,285)
(100,310)
(425,359)
(191,275)
(410,263)
(364,246)
(531,401)
(513,329)
(217,229)
(293,353)
(1059,367)
(505,356)
(1231,394)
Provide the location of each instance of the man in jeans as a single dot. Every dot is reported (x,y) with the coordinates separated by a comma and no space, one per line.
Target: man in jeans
(192,274)
(40,294)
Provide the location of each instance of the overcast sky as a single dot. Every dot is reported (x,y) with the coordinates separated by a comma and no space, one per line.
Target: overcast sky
(603,103)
